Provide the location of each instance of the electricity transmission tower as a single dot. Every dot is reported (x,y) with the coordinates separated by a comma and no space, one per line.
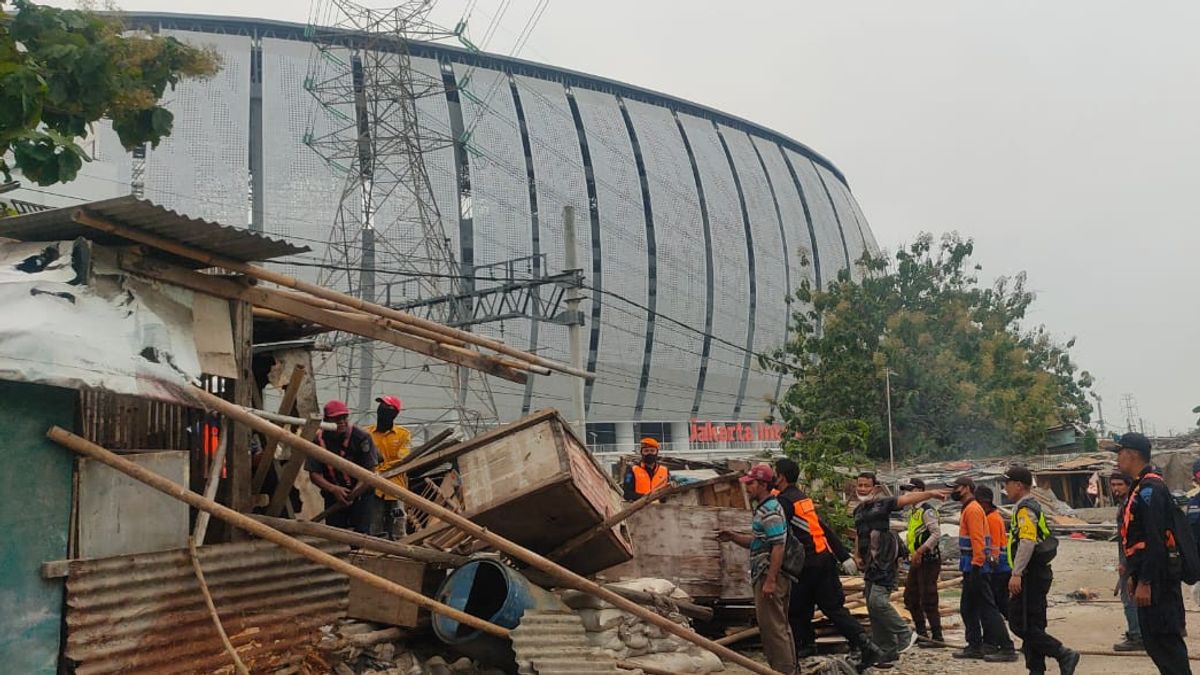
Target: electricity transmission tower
(387,230)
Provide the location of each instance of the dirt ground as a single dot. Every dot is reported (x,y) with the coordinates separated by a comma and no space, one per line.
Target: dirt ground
(1090,626)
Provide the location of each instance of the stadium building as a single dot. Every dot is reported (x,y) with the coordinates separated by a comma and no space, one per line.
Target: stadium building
(692,224)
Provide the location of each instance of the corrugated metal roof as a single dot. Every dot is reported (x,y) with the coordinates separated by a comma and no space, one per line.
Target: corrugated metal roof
(145,613)
(553,642)
(232,242)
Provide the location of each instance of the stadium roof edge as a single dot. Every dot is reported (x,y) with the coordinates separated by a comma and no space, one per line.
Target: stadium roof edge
(296,31)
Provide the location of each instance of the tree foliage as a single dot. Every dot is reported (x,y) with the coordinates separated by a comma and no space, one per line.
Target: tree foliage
(965,375)
(62,70)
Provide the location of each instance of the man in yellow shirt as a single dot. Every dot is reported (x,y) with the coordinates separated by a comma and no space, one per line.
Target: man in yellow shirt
(392,441)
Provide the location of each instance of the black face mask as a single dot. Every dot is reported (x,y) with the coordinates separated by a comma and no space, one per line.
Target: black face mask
(956,496)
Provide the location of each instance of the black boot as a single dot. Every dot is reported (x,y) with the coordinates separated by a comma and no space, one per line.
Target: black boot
(1067,659)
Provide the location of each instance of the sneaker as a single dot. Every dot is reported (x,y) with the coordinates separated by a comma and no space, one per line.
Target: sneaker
(1129,645)
(1002,656)
(912,640)
(969,652)
(1067,661)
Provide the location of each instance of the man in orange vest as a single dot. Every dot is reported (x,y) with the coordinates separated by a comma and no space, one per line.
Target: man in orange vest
(392,442)
(987,636)
(819,585)
(646,476)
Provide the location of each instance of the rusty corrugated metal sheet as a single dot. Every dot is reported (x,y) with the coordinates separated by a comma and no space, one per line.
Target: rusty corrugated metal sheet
(550,642)
(232,242)
(145,613)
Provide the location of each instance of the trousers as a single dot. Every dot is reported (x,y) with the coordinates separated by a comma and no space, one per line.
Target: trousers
(888,629)
(921,596)
(1169,653)
(1000,591)
(1027,617)
(820,587)
(1163,624)
(1132,628)
(773,627)
(981,617)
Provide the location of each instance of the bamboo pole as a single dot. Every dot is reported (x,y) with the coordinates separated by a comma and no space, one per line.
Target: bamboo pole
(166,486)
(419,553)
(83,217)
(562,574)
(622,515)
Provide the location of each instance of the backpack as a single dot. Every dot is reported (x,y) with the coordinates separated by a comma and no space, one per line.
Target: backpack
(1180,528)
(793,550)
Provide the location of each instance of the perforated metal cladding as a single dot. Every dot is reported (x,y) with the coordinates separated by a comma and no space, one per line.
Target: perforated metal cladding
(820,209)
(682,281)
(771,315)
(112,155)
(868,235)
(500,196)
(855,243)
(201,169)
(558,167)
(732,284)
(791,208)
(623,241)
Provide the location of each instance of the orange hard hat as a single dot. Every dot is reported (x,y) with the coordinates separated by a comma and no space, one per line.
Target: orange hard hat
(649,443)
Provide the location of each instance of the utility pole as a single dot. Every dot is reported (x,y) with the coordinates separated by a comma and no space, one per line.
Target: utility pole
(574,328)
(887,387)
(1100,412)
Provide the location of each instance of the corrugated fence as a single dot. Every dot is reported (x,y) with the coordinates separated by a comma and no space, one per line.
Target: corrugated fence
(145,613)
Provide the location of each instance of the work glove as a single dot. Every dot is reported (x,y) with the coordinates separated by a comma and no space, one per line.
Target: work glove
(850,568)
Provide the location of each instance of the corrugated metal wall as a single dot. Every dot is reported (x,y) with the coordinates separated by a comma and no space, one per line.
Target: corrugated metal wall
(145,613)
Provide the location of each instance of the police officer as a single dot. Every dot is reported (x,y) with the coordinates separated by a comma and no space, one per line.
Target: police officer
(1154,575)
(925,565)
(1031,577)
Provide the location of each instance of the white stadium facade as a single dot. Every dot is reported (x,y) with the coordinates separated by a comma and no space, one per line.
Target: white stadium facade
(703,217)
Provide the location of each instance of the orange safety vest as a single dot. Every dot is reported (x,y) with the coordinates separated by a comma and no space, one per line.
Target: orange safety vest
(806,513)
(644,484)
(1127,517)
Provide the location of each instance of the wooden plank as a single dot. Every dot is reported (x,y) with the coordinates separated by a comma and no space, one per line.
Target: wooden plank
(358,325)
(267,461)
(368,604)
(291,469)
(241,468)
(434,458)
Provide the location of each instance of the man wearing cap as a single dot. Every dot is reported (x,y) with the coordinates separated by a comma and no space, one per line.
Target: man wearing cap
(392,442)
(647,475)
(355,445)
(818,584)
(981,618)
(1119,484)
(1031,577)
(772,588)
(924,565)
(1148,543)
(879,549)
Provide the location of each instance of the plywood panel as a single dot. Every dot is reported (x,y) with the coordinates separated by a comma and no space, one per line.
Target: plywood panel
(368,604)
(508,466)
(119,515)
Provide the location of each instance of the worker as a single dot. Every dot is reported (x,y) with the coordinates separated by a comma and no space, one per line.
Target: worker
(1119,484)
(354,444)
(392,442)
(924,565)
(819,584)
(1031,577)
(998,555)
(647,475)
(981,617)
(879,549)
(772,588)
(1149,546)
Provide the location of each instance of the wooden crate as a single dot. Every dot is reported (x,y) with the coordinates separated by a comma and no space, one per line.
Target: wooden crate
(678,542)
(370,604)
(534,482)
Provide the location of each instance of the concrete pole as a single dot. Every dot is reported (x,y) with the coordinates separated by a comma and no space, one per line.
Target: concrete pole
(574,329)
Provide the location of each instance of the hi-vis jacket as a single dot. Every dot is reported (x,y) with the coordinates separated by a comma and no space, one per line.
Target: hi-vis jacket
(974,538)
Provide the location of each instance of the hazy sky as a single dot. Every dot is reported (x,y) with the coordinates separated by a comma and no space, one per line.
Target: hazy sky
(1062,136)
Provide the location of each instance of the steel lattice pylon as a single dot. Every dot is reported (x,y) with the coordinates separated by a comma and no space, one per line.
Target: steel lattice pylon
(387,229)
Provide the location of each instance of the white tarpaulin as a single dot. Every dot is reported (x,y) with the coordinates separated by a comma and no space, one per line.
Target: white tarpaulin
(105,331)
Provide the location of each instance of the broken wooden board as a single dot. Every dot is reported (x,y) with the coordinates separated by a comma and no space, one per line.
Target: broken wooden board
(679,543)
(368,604)
(535,484)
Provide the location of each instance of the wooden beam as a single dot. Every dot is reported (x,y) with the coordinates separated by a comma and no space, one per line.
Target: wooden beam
(241,468)
(561,574)
(291,469)
(263,297)
(356,539)
(94,221)
(266,461)
(244,522)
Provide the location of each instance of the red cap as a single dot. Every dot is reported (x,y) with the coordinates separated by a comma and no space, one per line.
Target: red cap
(759,472)
(391,401)
(336,408)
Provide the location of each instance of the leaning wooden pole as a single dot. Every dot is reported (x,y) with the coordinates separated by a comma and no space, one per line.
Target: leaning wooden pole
(562,574)
(91,220)
(93,451)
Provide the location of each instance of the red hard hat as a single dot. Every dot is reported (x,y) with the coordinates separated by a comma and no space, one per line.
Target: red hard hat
(391,401)
(336,408)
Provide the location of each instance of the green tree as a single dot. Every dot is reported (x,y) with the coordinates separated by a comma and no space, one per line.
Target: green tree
(965,375)
(62,70)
